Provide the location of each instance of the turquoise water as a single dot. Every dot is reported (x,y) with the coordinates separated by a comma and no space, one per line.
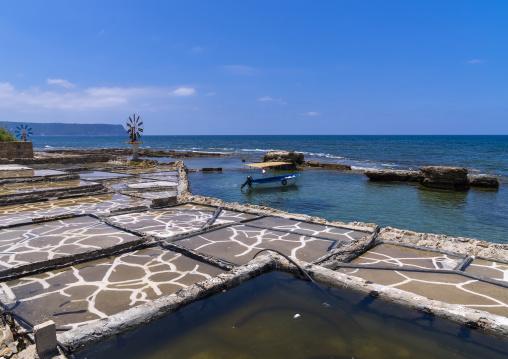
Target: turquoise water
(345,196)
(277,316)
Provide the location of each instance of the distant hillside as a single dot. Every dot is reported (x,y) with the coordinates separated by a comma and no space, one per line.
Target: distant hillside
(69,129)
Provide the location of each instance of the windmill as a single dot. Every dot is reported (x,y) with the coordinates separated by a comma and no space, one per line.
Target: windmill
(23,132)
(135,125)
(135,129)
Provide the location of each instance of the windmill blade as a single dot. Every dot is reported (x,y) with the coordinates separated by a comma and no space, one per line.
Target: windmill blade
(140,129)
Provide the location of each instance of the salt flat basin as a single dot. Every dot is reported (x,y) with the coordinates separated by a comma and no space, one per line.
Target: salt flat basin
(277,316)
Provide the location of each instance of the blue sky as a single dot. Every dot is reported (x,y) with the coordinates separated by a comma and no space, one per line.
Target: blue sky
(259,67)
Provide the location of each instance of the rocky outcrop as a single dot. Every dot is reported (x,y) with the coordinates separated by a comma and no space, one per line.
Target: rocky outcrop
(327,166)
(396,176)
(440,177)
(484,182)
(284,156)
(451,178)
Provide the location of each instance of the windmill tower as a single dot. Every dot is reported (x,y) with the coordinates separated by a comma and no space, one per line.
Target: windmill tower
(135,129)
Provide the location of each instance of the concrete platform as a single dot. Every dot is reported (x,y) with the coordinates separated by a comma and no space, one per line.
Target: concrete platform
(399,256)
(308,229)
(238,244)
(99,204)
(489,269)
(99,175)
(450,288)
(89,291)
(163,223)
(28,244)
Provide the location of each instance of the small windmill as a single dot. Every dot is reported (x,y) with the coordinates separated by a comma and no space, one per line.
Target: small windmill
(23,132)
(135,129)
(135,125)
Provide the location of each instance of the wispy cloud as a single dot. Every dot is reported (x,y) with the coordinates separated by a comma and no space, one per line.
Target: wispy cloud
(475,61)
(311,113)
(197,49)
(211,94)
(271,99)
(241,70)
(90,98)
(61,82)
(184,91)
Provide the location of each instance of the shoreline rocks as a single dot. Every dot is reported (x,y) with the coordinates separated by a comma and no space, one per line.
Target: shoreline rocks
(295,158)
(393,176)
(440,177)
(326,166)
(436,177)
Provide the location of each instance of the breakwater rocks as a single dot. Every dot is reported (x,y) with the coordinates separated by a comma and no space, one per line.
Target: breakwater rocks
(438,177)
(298,160)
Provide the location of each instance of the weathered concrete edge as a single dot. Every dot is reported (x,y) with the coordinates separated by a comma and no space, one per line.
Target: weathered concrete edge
(471,318)
(39,196)
(103,329)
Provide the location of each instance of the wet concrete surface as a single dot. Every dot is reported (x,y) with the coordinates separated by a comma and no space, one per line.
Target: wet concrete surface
(41,186)
(398,256)
(238,244)
(99,204)
(43,241)
(489,269)
(82,293)
(308,229)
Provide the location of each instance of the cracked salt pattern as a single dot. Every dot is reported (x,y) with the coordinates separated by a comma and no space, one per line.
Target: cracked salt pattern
(42,186)
(163,223)
(490,269)
(155,195)
(308,229)
(175,220)
(238,244)
(89,291)
(99,204)
(391,255)
(39,242)
(99,175)
(449,288)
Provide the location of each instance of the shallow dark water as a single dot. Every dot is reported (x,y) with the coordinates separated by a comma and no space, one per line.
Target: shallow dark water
(277,316)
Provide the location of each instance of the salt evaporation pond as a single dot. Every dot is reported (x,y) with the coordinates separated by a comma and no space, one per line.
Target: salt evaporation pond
(278,316)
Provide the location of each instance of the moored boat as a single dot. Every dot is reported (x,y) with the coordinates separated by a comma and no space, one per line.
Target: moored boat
(271,182)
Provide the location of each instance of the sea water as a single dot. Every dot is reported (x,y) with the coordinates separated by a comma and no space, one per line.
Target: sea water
(342,195)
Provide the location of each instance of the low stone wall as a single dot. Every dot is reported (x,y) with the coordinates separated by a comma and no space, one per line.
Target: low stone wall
(58,159)
(11,150)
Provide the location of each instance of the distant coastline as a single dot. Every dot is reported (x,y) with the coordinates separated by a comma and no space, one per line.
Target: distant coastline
(68,129)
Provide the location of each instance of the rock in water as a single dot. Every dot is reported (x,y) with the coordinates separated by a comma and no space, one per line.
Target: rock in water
(484,182)
(452,178)
(397,176)
(284,156)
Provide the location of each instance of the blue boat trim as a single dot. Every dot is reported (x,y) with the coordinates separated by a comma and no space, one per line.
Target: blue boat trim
(275,179)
